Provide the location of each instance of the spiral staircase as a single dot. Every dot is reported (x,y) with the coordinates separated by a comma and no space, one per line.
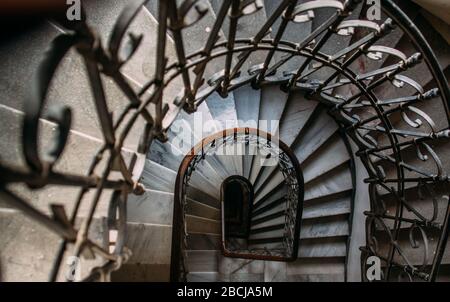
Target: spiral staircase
(337,128)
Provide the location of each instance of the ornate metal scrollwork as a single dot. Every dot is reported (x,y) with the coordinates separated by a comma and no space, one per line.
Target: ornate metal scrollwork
(293,178)
(367,119)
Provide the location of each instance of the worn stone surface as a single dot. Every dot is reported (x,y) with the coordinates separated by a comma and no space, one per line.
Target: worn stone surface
(142,273)
(150,243)
(329,156)
(204,241)
(325,227)
(327,207)
(336,181)
(78,154)
(28,249)
(323,247)
(316,266)
(274,271)
(316,135)
(202,225)
(152,207)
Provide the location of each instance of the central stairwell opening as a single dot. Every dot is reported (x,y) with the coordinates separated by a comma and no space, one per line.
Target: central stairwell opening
(237,203)
(363,111)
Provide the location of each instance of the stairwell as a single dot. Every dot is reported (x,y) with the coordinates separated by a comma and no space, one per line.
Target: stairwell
(338,153)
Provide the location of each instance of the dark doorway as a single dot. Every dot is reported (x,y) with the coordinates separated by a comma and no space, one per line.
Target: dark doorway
(237,201)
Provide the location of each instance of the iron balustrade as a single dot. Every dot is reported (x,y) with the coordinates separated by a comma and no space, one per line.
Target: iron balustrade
(272,150)
(107,60)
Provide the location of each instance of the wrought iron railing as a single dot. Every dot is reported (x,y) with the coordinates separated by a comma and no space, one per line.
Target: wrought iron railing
(363,115)
(245,142)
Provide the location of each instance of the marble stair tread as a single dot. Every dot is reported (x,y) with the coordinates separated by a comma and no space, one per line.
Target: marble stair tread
(157,177)
(76,160)
(332,154)
(323,247)
(295,32)
(322,129)
(203,261)
(207,277)
(197,241)
(202,225)
(313,266)
(199,209)
(272,105)
(160,178)
(327,207)
(336,181)
(154,207)
(28,248)
(141,240)
(325,227)
(223,110)
(297,113)
(274,182)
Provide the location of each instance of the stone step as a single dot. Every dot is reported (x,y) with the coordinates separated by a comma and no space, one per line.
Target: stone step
(277,210)
(236,266)
(199,209)
(295,119)
(203,261)
(247,27)
(336,181)
(213,264)
(297,112)
(223,111)
(274,271)
(294,32)
(142,273)
(77,157)
(200,196)
(306,270)
(409,156)
(195,37)
(70,85)
(276,221)
(275,195)
(275,182)
(149,243)
(327,207)
(247,102)
(331,155)
(160,178)
(336,42)
(157,177)
(270,113)
(28,248)
(317,278)
(415,256)
(316,266)
(202,225)
(424,205)
(334,226)
(207,277)
(323,247)
(256,161)
(197,241)
(171,154)
(320,131)
(271,110)
(310,248)
(152,207)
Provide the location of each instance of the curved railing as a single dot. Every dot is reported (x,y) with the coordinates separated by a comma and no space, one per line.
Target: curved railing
(244,139)
(362,115)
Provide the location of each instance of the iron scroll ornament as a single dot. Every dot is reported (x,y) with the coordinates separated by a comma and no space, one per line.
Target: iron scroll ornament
(39,172)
